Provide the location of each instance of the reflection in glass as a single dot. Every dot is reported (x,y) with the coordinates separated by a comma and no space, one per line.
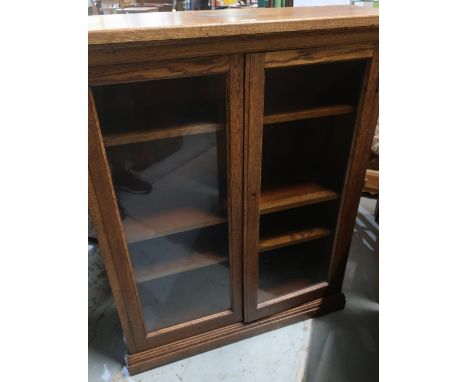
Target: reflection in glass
(166,147)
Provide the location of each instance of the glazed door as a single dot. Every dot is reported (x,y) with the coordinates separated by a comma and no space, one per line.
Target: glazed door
(168,136)
(301,122)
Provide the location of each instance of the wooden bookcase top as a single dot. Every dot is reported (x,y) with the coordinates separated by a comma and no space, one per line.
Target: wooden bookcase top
(127,28)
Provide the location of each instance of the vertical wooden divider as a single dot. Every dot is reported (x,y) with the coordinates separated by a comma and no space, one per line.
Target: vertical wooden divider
(254,90)
(235,123)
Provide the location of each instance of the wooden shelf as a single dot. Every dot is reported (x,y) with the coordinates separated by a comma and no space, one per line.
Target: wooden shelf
(292,237)
(177,262)
(324,111)
(292,269)
(184,194)
(277,199)
(183,297)
(169,222)
(294,285)
(162,133)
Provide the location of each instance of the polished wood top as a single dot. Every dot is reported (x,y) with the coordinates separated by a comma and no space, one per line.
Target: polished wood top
(110,29)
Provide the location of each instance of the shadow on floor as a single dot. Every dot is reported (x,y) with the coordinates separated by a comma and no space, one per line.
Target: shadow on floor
(344,345)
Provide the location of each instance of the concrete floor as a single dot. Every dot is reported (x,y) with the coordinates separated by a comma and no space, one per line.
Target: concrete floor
(340,347)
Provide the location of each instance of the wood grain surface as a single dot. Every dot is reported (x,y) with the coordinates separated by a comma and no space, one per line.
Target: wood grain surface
(110,29)
(316,112)
(187,347)
(161,133)
(292,237)
(136,52)
(175,263)
(297,195)
(318,55)
(100,75)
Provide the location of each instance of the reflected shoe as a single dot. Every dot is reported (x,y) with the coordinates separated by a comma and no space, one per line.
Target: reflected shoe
(128,182)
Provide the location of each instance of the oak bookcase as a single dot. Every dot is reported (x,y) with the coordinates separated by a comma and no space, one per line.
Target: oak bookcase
(227,152)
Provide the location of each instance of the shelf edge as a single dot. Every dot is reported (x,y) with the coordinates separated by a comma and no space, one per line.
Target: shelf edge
(161,133)
(325,111)
(304,202)
(315,233)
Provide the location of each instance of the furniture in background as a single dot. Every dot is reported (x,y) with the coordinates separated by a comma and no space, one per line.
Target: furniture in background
(371,180)
(107,7)
(225,175)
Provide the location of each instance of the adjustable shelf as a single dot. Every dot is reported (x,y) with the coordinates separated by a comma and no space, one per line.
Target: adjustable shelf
(292,237)
(184,194)
(169,222)
(185,296)
(295,195)
(174,264)
(292,269)
(315,112)
(297,225)
(161,133)
(179,253)
(279,289)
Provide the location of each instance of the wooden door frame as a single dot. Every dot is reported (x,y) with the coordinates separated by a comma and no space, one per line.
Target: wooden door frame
(104,209)
(366,117)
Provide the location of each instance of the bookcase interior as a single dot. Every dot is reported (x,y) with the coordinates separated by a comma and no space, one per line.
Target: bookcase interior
(166,148)
(307,151)
(297,225)
(309,125)
(292,269)
(295,88)
(185,296)
(182,277)
(159,109)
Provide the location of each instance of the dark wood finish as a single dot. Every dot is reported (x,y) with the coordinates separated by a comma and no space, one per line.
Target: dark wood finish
(161,133)
(292,237)
(318,55)
(254,83)
(166,222)
(266,219)
(164,50)
(323,111)
(149,359)
(144,71)
(295,195)
(234,179)
(196,260)
(209,250)
(179,219)
(289,195)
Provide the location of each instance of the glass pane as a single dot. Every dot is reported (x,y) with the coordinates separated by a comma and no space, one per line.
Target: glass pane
(295,245)
(307,134)
(292,268)
(166,146)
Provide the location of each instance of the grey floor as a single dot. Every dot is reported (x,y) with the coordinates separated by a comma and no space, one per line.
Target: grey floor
(340,347)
